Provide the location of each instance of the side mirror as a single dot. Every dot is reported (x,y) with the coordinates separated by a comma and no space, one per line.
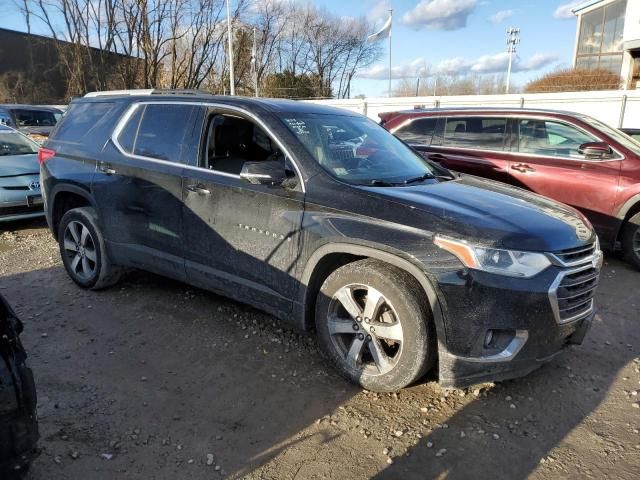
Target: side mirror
(595,150)
(264,173)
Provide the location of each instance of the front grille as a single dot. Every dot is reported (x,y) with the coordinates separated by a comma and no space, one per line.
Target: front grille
(19,210)
(575,255)
(575,293)
(21,187)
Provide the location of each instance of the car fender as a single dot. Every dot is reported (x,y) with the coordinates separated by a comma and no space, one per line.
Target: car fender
(384,256)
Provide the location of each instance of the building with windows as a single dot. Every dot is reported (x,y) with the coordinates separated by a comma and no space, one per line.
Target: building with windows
(608,36)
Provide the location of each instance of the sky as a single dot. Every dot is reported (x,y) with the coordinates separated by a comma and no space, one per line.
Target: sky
(445,36)
(465,36)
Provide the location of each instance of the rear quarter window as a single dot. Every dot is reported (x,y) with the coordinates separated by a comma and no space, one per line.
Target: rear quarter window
(85,122)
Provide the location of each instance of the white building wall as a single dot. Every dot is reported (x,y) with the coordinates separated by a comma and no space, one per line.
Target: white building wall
(618,108)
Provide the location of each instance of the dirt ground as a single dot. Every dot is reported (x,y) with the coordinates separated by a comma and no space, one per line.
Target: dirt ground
(153,379)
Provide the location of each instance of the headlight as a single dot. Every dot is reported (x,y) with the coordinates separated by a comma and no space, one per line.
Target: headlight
(512,263)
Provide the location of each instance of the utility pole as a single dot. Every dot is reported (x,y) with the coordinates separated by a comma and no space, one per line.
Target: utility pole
(232,80)
(513,39)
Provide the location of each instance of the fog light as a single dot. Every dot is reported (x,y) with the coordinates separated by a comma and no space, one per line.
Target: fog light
(487,339)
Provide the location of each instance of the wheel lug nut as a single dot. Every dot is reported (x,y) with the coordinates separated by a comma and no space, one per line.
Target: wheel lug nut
(372,329)
(369,338)
(356,327)
(358,319)
(361,336)
(367,320)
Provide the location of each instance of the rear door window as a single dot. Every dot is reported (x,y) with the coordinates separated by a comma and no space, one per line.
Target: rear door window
(162,131)
(418,131)
(484,133)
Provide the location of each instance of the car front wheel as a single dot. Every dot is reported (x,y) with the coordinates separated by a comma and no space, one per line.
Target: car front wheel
(83,252)
(631,240)
(374,325)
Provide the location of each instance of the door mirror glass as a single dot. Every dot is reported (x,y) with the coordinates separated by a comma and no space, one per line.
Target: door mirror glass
(595,150)
(264,173)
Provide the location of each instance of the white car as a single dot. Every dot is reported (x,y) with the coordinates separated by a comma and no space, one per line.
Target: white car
(20,195)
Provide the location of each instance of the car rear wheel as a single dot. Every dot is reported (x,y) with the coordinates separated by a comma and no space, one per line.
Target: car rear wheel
(83,252)
(631,240)
(374,325)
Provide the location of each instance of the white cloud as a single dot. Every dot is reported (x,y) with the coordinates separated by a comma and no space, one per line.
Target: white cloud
(440,14)
(458,66)
(563,12)
(378,10)
(499,17)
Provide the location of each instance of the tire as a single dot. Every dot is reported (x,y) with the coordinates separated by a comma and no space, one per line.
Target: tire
(401,346)
(83,252)
(631,240)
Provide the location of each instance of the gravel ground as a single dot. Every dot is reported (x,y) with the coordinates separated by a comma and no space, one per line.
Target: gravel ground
(155,379)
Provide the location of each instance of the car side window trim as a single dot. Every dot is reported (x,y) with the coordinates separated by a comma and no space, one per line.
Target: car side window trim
(218,106)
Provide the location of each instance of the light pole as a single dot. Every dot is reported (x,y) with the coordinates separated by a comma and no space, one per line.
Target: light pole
(232,80)
(513,39)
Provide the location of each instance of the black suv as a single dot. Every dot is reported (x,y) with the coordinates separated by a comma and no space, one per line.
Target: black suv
(322,218)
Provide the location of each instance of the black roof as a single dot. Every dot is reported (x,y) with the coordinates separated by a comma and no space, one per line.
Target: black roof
(274,105)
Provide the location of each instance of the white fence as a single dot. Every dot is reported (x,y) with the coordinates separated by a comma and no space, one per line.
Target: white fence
(618,108)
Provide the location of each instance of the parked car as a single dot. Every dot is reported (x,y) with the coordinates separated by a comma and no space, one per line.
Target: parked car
(632,132)
(18,420)
(20,195)
(322,218)
(36,121)
(569,157)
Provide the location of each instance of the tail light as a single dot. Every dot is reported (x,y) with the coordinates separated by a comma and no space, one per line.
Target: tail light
(45,154)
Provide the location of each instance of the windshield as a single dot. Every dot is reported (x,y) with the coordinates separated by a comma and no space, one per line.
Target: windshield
(14,143)
(357,150)
(621,137)
(34,118)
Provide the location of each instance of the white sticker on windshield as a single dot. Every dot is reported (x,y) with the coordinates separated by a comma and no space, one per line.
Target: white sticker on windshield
(340,171)
(298,126)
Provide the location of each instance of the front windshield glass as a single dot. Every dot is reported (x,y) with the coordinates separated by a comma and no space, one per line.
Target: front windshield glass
(35,118)
(617,135)
(14,143)
(357,150)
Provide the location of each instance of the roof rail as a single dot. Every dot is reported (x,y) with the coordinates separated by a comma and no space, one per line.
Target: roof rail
(148,91)
(111,93)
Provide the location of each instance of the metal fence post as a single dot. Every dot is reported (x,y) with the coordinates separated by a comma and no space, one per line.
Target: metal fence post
(623,108)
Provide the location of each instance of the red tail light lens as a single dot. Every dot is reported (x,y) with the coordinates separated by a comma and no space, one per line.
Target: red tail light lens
(45,154)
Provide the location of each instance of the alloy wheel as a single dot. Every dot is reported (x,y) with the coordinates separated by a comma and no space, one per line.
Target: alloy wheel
(365,329)
(80,249)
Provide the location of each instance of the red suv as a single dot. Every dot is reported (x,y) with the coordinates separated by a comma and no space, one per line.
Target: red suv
(569,157)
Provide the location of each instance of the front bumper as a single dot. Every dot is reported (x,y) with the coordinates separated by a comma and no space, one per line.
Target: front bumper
(521,317)
(31,207)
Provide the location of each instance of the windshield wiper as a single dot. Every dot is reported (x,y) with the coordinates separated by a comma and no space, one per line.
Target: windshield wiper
(421,178)
(381,183)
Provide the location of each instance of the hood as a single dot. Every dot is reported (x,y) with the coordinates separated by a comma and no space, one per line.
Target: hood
(14,165)
(493,214)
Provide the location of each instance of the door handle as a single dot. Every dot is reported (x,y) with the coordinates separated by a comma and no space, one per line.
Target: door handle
(199,189)
(522,167)
(106,169)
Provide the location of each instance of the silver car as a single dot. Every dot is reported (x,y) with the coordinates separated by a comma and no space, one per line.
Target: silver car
(20,195)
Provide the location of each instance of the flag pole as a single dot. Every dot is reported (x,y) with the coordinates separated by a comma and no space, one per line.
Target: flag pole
(390,27)
(232,81)
(255,60)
